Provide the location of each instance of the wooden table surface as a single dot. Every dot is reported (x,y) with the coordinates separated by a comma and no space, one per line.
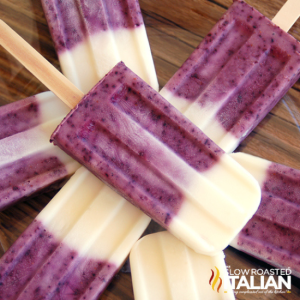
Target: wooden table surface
(175,28)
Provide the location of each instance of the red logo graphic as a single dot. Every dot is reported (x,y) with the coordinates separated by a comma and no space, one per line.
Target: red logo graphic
(215,280)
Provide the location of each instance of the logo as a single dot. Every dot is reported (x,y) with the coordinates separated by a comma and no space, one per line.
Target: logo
(214,279)
(258,281)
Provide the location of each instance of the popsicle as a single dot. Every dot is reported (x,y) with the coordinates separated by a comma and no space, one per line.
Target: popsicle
(91,36)
(29,164)
(125,133)
(151,154)
(162,267)
(273,234)
(75,245)
(237,74)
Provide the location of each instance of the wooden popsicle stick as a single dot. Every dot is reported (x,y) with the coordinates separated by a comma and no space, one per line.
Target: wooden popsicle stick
(287,15)
(39,66)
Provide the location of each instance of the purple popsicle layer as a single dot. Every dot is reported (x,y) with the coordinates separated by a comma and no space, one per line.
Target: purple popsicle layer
(19,116)
(88,17)
(27,177)
(273,234)
(28,166)
(110,132)
(236,75)
(39,266)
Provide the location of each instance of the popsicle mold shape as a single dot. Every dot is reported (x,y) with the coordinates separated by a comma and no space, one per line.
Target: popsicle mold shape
(162,267)
(125,133)
(235,76)
(273,233)
(91,36)
(29,163)
(75,245)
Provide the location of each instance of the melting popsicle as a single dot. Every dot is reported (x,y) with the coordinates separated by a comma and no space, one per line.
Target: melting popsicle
(75,245)
(91,36)
(162,267)
(273,234)
(29,164)
(237,74)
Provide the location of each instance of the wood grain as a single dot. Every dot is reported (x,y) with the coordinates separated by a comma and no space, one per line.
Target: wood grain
(174,29)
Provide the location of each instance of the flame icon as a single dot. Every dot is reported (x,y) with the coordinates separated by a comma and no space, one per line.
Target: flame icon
(213,284)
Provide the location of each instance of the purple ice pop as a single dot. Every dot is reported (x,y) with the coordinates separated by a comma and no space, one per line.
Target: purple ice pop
(273,234)
(91,36)
(237,74)
(75,245)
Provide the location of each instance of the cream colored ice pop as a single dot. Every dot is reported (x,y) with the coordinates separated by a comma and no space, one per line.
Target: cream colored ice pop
(164,268)
(91,36)
(29,164)
(273,233)
(75,245)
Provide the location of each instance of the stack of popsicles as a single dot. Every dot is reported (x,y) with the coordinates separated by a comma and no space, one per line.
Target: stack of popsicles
(130,137)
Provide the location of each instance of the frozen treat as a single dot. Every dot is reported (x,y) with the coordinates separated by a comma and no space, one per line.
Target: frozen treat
(273,233)
(91,36)
(162,267)
(237,74)
(75,245)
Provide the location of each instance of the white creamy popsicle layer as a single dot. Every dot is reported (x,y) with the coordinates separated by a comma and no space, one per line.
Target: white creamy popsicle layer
(91,36)
(162,267)
(28,162)
(75,245)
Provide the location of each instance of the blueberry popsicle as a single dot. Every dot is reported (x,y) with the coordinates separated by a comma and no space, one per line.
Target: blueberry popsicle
(273,234)
(75,245)
(125,133)
(162,267)
(29,164)
(236,75)
(91,36)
